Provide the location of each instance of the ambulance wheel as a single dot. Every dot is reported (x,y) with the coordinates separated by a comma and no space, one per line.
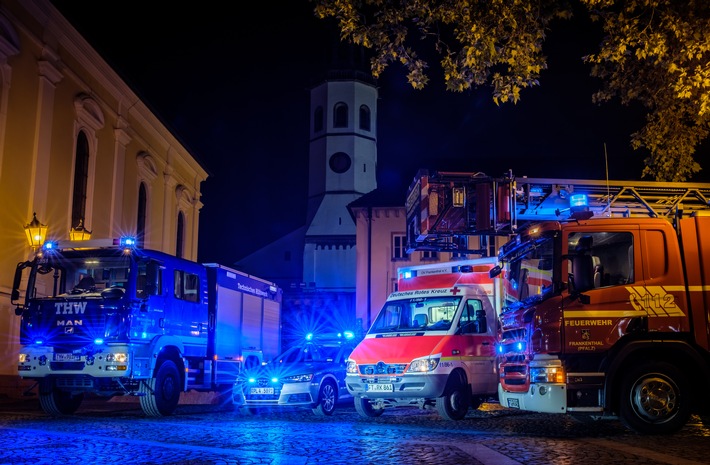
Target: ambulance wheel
(327,398)
(160,395)
(365,408)
(56,402)
(455,402)
(655,399)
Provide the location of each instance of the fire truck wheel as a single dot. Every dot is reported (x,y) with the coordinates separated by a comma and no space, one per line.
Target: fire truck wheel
(56,402)
(365,408)
(455,402)
(655,399)
(162,393)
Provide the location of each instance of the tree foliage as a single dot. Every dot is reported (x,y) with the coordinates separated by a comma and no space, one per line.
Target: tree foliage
(655,52)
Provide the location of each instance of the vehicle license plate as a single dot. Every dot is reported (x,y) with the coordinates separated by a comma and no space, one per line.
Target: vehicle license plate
(380,387)
(513,403)
(261,390)
(66,358)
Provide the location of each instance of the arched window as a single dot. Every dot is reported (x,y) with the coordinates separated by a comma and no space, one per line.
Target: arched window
(364,117)
(142,211)
(81,177)
(179,243)
(318,119)
(340,115)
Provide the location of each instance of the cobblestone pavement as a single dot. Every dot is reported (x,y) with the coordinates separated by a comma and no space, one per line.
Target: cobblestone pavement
(208,434)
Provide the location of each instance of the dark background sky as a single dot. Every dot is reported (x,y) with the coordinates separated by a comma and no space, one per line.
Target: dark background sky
(232,80)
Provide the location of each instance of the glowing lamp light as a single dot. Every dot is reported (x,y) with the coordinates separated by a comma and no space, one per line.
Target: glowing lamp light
(98,341)
(407,274)
(79,232)
(35,232)
(309,337)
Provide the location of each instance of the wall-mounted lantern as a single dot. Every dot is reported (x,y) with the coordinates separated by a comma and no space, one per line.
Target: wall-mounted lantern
(79,232)
(36,232)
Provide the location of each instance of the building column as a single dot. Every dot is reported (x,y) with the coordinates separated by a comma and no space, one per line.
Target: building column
(122,139)
(49,76)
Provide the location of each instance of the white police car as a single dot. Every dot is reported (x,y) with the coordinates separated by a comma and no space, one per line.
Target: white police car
(310,374)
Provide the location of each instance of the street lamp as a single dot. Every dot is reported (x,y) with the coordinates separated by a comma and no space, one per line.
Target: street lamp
(35,232)
(79,232)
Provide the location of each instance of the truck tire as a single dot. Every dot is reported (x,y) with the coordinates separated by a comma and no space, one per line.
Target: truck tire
(55,402)
(160,395)
(655,399)
(455,402)
(365,408)
(327,398)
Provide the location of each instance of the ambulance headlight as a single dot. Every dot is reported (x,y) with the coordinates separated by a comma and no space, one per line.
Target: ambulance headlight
(24,358)
(423,365)
(351,367)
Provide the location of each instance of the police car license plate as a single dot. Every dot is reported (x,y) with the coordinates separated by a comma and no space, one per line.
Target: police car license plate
(261,390)
(513,403)
(380,388)
(66,358)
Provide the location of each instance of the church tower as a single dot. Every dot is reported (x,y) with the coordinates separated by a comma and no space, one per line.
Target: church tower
(342,168)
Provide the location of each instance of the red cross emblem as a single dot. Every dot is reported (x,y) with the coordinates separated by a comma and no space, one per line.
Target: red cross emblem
(455,290)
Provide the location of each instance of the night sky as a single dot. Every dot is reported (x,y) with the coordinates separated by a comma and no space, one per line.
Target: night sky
(234,87)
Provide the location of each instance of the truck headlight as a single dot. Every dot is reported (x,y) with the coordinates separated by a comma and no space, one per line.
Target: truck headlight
(118,357)
(547,375)
(422,365)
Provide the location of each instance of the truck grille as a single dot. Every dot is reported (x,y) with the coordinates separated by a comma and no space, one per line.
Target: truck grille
(66,366)
(382,368)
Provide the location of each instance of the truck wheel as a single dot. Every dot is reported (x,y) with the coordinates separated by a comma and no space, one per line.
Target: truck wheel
(655,399)
(160,395)
(365,408)
(454,404)
(327,397)
(56,402)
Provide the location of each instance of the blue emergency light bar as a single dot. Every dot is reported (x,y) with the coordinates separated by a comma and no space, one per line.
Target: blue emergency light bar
(578,201)
(50,245)
(127,241)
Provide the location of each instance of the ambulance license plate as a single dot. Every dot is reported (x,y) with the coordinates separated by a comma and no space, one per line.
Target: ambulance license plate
(66,358)
(513,403)
(261,390)
(380,388)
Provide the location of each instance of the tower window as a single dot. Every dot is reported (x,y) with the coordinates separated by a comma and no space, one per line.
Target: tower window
(364,117)
(340,115)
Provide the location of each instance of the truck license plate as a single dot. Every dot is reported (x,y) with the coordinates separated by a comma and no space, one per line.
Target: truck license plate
(66,358)
(261,390)
(380,388)
(513,403)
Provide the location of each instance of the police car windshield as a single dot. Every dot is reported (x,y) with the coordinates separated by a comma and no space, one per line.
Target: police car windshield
(419,314)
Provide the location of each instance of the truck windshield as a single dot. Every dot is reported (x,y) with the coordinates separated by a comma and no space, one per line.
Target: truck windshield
(75,273)
(419,314)
(528,272)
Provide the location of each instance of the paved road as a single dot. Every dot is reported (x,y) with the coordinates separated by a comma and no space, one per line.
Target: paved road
(118,432)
